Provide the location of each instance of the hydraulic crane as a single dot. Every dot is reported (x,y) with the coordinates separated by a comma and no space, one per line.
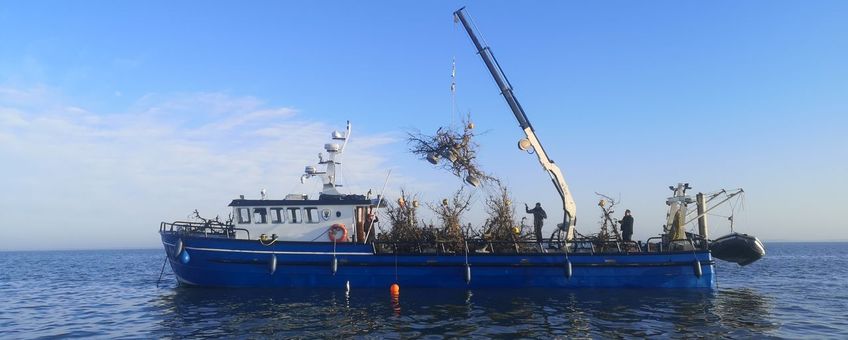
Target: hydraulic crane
(531,141)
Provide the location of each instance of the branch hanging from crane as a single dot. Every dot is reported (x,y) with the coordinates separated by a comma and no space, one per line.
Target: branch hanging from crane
(452,150)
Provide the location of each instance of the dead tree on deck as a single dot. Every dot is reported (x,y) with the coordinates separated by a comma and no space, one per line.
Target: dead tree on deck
(609,225)
(500,229)
(404,229)
(449,213)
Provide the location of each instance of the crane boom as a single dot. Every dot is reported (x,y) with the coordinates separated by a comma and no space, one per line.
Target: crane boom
(568,205)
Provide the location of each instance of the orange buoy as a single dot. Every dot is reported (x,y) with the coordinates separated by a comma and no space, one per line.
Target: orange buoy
(337,233)
(395,289)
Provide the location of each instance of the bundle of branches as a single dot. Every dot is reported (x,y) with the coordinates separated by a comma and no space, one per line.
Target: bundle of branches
(449,212)
(609,225)
(404,226)
(500,228)
(457,148)
(209,221)
(213,226)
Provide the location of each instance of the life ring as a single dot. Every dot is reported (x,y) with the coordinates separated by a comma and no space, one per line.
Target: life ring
(335,229)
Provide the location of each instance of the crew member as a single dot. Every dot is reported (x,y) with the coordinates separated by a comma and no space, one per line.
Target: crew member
(539,217)
(627,225)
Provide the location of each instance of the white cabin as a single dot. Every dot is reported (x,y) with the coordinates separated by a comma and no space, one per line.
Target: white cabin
(302,219)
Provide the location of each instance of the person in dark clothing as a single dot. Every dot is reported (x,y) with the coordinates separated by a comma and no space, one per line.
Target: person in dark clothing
(539,217)
(627,226)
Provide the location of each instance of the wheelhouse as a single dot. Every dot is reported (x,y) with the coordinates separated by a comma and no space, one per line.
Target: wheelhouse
(298,218)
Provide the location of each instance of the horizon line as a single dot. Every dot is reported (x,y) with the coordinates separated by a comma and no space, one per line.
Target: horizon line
(158,248)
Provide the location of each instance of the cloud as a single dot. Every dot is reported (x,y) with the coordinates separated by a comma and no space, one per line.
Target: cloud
(263,117)
(11,117)
(95,180)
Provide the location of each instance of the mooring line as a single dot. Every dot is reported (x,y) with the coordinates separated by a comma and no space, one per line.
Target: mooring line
(162,271)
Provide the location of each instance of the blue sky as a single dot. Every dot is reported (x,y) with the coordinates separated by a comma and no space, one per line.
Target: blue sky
(117,115)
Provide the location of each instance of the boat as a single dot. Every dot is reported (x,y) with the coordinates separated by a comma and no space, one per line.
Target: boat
(330,240)
(742,249)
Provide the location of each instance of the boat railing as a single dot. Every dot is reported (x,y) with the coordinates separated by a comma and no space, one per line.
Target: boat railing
(654,247)
(659,244)
(682,245)
(483,246)
(613,246)
(697,241)
(630,246)
(478,246)
(207,229)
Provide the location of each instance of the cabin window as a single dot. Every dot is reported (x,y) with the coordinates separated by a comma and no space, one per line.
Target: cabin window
(244,215)
(260,215)
(312,215)
(295,215)
(278,215)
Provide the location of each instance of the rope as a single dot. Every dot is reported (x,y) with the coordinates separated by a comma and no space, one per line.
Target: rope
(162,271)
(322,234)
(454,107)
(396,264)
(717,215)
(466,253)
(269,243)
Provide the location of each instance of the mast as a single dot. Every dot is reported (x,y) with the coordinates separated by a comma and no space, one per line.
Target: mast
(531,141)
(328,176)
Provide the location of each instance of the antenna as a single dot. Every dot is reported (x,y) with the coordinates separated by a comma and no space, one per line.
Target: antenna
(328,176)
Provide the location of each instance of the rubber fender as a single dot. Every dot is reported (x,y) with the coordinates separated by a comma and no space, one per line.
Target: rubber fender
(179,248)
(184,257)
(272,265)
(698,271)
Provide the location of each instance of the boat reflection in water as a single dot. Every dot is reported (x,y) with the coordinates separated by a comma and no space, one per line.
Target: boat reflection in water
(742,308)
(456,312)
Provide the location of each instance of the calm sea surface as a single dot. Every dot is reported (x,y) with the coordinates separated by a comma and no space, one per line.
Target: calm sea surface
(800,290)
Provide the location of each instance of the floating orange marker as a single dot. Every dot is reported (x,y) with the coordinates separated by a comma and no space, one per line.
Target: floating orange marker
(395,290)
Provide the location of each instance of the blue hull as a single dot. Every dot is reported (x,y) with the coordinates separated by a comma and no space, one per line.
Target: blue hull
(221,262)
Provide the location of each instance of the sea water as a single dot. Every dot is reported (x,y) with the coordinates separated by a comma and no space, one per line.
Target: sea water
(799,290)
